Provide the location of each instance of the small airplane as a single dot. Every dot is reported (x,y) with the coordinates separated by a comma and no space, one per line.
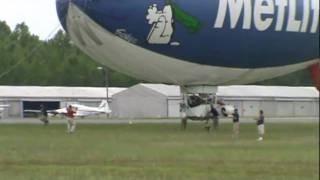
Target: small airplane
(81,110)
(2,108)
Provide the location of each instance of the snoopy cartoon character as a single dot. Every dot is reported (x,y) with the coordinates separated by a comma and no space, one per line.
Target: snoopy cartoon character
(161,22)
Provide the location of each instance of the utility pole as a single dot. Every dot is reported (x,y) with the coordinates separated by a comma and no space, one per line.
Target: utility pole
(105,80)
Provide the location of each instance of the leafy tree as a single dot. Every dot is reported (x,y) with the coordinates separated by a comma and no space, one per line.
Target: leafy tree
(299,78)
(26,60)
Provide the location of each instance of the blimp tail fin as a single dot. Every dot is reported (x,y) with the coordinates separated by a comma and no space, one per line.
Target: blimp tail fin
(315,74)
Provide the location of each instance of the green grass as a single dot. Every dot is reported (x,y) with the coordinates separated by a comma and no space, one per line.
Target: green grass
(145,151)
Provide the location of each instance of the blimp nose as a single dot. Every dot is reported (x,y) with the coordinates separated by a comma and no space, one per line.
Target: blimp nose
(62,10)
(63,6)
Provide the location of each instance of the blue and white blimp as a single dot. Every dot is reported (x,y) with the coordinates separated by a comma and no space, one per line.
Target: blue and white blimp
(196,42)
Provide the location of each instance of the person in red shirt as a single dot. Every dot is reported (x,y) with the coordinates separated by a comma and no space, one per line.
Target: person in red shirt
(71,121)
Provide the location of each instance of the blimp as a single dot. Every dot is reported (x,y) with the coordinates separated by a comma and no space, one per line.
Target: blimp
(196,44)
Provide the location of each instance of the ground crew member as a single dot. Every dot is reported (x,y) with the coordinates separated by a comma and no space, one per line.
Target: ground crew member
(71,124)
(44,114)
(260,125)
(215,117)
(236,124)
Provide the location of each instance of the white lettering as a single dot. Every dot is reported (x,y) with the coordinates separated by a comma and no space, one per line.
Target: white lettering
(235,9)
(222,10)
(293,24)
(266,13)
(281,11)
(306,15)
(247,14)
(259,10)
(315,20)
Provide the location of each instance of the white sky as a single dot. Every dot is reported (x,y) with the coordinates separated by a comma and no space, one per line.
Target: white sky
(39,15)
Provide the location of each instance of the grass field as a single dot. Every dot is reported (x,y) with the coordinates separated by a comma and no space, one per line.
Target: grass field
(155,151)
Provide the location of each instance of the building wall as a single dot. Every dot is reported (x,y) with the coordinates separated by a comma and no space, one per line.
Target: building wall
(174,108)
(303,109)
(15,109)
(4,113)
(86,102)
(317,108)
(269,107)
(139,102)
(284,108)
(277,108)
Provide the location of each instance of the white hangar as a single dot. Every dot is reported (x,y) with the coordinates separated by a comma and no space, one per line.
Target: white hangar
(159,100)
(148,101)
(276,101)
(163,101)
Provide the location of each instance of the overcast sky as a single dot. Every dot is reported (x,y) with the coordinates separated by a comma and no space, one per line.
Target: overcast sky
(39,15)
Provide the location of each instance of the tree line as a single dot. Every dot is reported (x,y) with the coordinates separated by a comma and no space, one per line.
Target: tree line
(27,60)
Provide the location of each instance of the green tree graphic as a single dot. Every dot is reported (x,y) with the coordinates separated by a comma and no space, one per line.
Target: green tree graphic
(189,21)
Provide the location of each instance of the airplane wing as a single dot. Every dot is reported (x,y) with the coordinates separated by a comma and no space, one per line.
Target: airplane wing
(31,111)
(83,110)
(50,112)
(84,113)
(62,111)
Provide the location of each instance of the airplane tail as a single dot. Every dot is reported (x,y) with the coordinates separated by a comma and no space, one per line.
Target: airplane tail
(105,106)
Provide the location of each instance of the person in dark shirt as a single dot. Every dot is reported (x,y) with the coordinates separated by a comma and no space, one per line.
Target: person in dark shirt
(44,114)
(236,124)
(260,125)
(215,117)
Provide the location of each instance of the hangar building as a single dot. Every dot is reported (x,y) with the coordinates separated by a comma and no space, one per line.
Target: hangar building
(21,98)
(276,101)
(159,100)
(147,100)
(163,101)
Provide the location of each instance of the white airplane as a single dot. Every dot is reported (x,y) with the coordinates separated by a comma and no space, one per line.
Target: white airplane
(2,108)
(83,111)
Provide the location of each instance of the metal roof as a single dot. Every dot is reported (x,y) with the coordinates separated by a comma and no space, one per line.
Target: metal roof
(268,91)
(56,92)
(167,90)
(245,91)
